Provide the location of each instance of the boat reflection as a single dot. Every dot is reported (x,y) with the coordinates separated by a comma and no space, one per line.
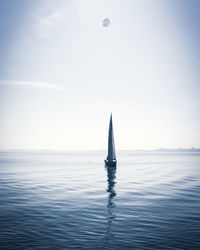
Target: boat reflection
(111,175)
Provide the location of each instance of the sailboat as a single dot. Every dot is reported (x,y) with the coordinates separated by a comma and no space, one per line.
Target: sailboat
(111,158)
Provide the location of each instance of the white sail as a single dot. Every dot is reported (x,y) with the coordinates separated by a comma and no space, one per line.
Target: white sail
(111,144)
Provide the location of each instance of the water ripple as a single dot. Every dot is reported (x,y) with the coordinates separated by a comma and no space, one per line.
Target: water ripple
(69,200)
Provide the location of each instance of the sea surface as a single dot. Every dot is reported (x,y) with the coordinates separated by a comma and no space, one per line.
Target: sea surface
(69,200)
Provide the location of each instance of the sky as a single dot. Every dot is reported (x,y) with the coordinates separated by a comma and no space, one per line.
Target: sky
(62,73)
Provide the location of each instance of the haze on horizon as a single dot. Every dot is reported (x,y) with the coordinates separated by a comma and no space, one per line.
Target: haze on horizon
(62,73)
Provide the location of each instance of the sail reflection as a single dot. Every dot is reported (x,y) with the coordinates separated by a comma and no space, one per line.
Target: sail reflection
(111,174)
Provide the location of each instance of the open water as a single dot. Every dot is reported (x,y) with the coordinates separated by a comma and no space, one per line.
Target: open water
(69,200)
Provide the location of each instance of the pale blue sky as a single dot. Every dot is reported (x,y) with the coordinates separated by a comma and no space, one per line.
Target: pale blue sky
(62,73)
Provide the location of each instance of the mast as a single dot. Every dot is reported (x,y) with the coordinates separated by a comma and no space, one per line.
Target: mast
(111,158)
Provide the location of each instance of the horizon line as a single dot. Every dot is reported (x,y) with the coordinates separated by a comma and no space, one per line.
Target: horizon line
(155,149)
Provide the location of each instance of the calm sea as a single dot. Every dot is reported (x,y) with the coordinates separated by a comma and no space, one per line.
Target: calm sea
(69,200)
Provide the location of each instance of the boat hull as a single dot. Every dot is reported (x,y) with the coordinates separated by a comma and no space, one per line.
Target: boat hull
(111,163)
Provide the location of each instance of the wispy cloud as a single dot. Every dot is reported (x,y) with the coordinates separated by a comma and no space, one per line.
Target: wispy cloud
(50,19)
(33,84)
(45,24)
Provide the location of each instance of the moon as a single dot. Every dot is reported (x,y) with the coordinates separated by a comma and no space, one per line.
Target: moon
(106,22)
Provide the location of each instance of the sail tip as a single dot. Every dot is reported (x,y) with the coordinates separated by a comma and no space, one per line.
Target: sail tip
(111,117)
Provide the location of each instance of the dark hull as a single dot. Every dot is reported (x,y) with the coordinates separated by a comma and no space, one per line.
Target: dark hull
(110,163)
